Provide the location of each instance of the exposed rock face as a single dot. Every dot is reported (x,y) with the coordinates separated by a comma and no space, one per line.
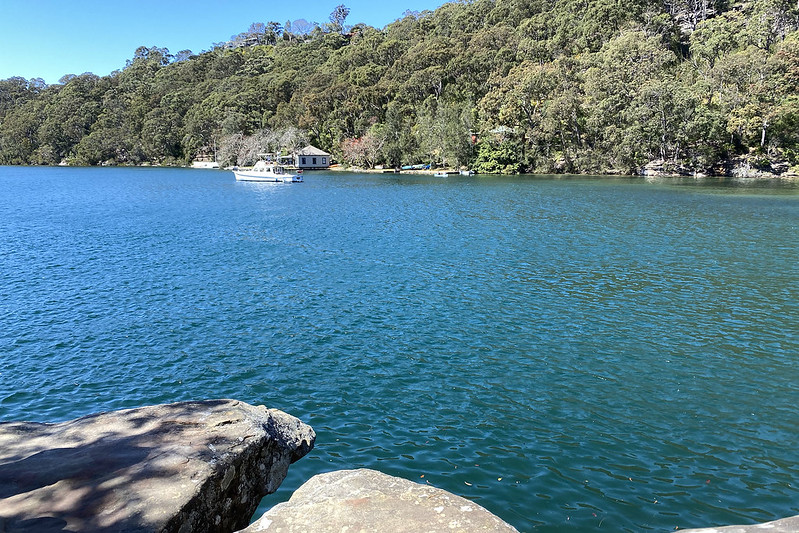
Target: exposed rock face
(786,525)
(183,467)
(661,168)
(365,500)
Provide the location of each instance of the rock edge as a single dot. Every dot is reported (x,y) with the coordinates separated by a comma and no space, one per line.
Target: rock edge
(181,467)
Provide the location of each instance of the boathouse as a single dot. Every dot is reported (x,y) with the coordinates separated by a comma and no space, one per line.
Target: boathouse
(311,157)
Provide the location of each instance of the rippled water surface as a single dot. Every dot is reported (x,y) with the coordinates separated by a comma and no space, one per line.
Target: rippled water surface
(572,354)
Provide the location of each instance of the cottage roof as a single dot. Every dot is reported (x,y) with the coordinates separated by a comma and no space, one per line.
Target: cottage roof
(312,150)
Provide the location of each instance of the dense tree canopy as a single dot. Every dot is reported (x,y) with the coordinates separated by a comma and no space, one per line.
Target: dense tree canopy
(496,85)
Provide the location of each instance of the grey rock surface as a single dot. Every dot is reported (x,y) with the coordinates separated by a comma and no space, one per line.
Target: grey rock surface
(785,525)
(367,501)
(183,467)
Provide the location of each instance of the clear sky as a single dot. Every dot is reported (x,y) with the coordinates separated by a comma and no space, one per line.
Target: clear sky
(50,38)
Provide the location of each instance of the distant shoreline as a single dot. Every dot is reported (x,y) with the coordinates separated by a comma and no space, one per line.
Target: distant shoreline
(788,176)
(753,175)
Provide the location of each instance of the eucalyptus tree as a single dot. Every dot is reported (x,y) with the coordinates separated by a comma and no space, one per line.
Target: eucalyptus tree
(337,18)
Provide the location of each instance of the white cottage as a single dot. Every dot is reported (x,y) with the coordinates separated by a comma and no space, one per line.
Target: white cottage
(311,157)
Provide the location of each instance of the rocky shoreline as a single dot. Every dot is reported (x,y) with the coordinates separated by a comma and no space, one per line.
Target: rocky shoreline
(740,169)
(204,466)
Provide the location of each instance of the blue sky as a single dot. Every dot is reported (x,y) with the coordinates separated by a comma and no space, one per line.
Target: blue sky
(50,38)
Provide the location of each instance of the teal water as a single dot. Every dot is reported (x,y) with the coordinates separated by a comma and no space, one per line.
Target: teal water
(572,354)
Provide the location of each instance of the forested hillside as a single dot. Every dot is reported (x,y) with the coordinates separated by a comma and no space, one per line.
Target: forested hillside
(589,86)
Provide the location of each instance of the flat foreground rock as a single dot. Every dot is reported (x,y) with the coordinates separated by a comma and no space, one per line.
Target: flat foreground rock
(366,500)
(187,467)
(785,525)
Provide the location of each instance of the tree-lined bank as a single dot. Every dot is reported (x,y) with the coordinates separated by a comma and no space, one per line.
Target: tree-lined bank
(496,85)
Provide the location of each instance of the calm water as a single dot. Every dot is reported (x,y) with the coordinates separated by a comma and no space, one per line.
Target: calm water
(572,354)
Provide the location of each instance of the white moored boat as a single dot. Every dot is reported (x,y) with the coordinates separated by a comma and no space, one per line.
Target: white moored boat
(264,171)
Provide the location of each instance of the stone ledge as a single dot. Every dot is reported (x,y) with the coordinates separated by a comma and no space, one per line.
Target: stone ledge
(785,525)
(183,467)
(365,500)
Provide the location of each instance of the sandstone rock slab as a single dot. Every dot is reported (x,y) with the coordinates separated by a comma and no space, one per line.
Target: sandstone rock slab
(366,501)
(784,525)
(182,467)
